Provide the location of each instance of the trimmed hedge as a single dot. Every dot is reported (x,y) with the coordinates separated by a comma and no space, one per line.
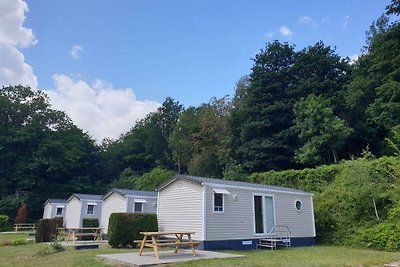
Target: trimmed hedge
(124,228)
(89,222)
(46,230)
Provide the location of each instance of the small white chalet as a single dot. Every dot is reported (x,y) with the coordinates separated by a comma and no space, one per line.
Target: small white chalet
(54,207)
(80,206)
(126,200)
(232,214)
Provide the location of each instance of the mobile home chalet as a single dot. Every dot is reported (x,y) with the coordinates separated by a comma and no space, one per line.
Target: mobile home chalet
(232,214)
(54,208)
(125,200)
(80,206)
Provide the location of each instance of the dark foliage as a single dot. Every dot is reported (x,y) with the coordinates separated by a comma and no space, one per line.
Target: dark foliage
(124,228)
(46,230)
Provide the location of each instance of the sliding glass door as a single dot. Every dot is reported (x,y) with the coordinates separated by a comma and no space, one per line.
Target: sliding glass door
(264,214)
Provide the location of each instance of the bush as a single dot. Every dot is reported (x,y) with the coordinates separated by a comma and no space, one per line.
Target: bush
(59,221)
(3,222)
(46,230)
(89,222)
(124,228)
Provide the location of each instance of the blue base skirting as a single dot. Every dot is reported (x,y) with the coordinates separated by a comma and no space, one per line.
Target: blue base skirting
(249,244)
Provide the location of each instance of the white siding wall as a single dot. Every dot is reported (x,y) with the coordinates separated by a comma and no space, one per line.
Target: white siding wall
(237,220)
(47,211)
(72,217)
(113,203)
(300,223)
(180,208)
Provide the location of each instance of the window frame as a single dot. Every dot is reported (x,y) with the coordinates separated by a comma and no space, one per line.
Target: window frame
(262,195)
(221,208)
(134,207)
(87,209)
(301,205)
(62,211)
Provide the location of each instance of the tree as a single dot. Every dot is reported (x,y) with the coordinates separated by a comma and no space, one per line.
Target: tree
(21,214)
(207,144)
(266,140)
(42,154)
(181,139)
(145,146)
(393,8)
(372,99)
(153,179)
(321,132)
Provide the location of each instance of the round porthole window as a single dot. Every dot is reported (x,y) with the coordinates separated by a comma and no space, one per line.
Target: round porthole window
(298,205)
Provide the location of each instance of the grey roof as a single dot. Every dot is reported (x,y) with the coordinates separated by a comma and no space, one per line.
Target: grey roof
(129,192)
(202,180)
(56,200)
(87,197)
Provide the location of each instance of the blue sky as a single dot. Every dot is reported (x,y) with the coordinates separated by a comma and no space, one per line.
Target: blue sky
(151,49)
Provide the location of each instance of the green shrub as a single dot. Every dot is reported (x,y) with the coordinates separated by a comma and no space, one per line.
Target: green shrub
(60,221)
(124,228)
(3,222)
(382,236)
(89,222)
(46,230)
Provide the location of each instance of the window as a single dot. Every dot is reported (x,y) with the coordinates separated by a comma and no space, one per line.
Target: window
(258,214)
(219,199)
(59,211)
(138,207)
(90,209)
(298,205)
(218,202)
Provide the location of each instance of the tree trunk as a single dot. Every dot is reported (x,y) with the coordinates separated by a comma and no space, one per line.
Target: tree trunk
(376,211)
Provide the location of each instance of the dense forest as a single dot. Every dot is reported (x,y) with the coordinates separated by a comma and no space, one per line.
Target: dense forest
(296,109)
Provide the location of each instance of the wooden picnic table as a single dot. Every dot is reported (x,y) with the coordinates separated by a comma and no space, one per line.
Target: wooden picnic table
(177,241)
(74,233)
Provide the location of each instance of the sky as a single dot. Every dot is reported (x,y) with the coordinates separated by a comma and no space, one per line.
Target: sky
(108,63)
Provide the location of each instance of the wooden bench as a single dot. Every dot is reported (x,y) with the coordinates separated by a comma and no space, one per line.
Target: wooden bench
(25,226)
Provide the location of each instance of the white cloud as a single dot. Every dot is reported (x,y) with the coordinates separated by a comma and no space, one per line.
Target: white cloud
(13,69)
(285,31)
(270,35)
(76,51)
(345,21)
(99,109)
(325,19)
(308,21)
(354,58)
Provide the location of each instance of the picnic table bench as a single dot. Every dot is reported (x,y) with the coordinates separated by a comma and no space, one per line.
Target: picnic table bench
(25,226)
(176,241)
(74,233)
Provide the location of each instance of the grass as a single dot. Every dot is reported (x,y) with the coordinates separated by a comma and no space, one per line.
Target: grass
(324,256)
(38,255)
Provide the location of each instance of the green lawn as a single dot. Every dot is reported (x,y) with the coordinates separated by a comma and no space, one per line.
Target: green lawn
(32,255)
